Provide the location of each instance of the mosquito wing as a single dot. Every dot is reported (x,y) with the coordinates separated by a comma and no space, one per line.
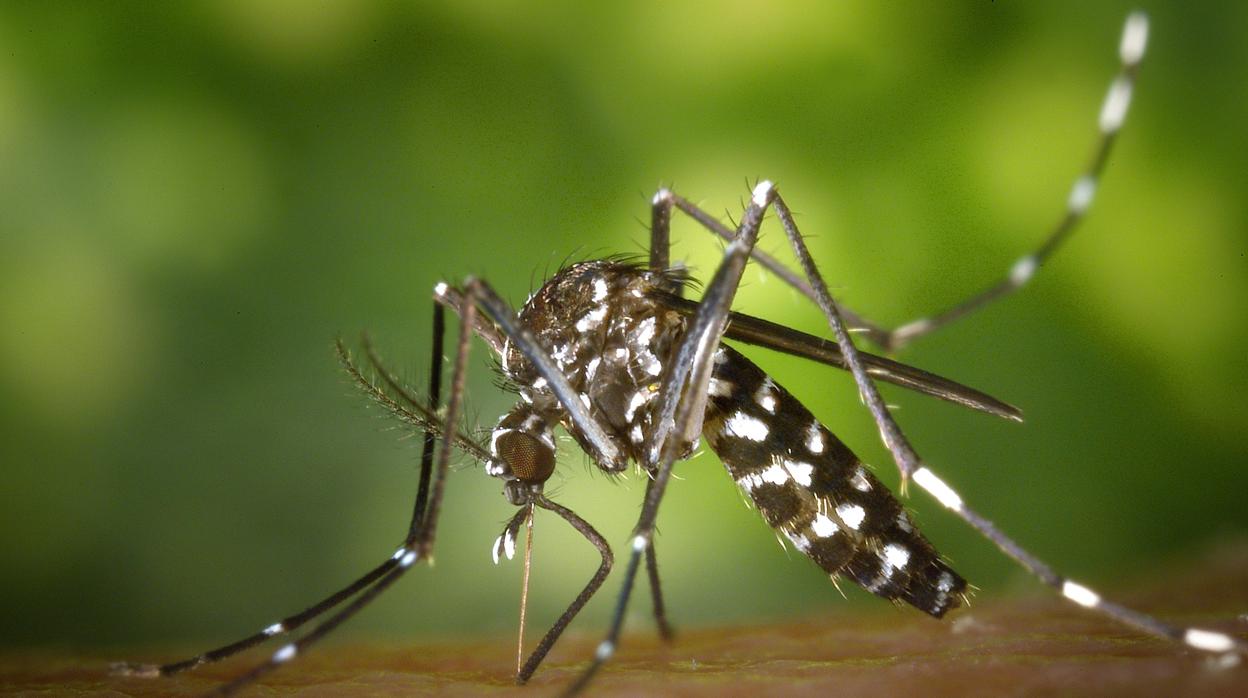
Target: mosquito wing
(763,333)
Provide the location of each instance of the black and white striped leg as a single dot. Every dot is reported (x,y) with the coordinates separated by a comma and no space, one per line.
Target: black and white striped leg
(682,404)
(419,544)
(1111,117)
(289,651)
(293,622)
(282,627)
(913,468)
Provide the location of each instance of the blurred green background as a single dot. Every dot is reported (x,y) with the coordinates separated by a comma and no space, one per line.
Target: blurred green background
(195,198)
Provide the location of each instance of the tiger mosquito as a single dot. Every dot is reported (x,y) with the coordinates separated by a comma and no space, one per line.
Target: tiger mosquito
(611,351)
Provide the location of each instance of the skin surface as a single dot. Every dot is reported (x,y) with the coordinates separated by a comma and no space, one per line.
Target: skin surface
(1033,645)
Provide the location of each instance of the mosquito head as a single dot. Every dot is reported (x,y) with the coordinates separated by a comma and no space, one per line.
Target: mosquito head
(530,459)
(523,453)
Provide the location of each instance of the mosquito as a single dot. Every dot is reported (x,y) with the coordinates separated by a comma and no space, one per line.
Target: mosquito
(612,352)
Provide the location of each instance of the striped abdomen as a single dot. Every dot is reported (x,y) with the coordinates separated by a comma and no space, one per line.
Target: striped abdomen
(814,490)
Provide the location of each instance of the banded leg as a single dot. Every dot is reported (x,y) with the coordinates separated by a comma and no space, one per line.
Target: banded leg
(682,401)
(293,622)
(419,543)
(1111,117)
(282,627)
(912,467)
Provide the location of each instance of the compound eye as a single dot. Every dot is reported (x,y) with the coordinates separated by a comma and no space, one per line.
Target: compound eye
(530,460)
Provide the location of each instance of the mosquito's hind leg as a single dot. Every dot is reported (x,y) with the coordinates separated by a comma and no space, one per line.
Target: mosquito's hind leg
(913,468)
(1112,115)
(418,544)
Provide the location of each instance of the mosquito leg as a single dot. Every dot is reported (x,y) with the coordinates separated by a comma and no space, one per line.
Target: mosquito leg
(1112,115)
(683,402)
(775,266)
(896,442)
(660,260)
(656,594)
(691,368)
(453,298)
(431,405)
(291,650)
(279,628)
(435,398)
(595,582)
(912,467)
(417,546)
(660,230)
(424,534)
(656,589)
(293,622)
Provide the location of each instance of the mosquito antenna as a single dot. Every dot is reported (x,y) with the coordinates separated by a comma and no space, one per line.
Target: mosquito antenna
(524,587)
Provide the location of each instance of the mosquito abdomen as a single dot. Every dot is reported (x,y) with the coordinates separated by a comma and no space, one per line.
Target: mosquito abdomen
(809,486)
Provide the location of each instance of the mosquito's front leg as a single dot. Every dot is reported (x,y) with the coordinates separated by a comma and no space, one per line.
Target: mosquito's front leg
(418,543)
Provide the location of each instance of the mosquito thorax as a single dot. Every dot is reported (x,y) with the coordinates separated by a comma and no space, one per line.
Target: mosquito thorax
(602,324)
